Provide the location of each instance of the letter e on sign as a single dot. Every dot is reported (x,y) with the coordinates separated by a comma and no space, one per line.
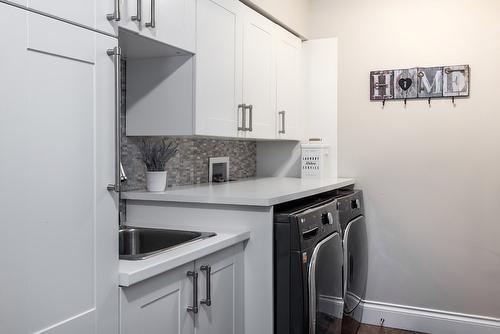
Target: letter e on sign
(456,80)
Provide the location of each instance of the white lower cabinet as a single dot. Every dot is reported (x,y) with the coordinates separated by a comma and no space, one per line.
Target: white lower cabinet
(224,315)
(158,305)
(203,297)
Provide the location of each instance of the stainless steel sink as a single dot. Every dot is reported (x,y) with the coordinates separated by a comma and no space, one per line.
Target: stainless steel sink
(138,243)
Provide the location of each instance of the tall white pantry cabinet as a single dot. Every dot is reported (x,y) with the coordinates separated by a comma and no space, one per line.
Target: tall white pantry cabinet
(59,240)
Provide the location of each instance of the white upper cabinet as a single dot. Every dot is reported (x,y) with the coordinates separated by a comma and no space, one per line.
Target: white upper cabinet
(247,74)
(259,91)
(243,79)
(288,48)
(219,42)
(172,22)
(92,14)
(57,116)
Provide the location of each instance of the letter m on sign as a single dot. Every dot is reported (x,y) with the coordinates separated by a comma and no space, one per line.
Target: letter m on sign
(381,85)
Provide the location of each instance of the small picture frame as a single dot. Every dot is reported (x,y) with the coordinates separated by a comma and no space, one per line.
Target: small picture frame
(218,169)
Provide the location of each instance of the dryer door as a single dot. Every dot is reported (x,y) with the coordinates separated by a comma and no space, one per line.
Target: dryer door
(356,263)
(325,286)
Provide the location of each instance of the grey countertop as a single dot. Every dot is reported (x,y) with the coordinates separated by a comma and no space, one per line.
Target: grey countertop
(132,272)
(267,191)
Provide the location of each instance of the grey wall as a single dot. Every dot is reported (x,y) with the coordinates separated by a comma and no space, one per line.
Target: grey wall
(431,176)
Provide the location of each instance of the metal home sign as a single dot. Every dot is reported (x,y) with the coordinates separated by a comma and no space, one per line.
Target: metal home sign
(421,82)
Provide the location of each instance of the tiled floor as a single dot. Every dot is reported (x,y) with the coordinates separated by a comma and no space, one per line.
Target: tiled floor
(368,329)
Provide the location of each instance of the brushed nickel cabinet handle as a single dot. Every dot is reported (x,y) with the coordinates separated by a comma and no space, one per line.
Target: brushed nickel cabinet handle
(242,107)
(194,307)
(116,15)
(116,54)
(250,117)
(208,300)
(282,114)
(138,16)
(152,23)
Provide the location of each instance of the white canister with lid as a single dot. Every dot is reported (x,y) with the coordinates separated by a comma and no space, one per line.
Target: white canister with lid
(315,160)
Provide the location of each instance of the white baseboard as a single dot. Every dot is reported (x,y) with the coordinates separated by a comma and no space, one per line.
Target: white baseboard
(427,320)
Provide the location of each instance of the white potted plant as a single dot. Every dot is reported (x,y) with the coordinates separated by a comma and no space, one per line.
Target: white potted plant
(155,155)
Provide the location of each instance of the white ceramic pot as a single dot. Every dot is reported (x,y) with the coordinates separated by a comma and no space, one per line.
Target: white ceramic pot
(156,181)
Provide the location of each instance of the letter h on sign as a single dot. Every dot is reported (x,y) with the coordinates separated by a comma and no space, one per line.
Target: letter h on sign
(382,85)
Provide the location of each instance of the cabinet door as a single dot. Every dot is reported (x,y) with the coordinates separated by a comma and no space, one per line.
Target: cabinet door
(288,49)
(84,12)
(218,67)
(57,161)
(224,315)
(159,305)
(174,22)
(259,89)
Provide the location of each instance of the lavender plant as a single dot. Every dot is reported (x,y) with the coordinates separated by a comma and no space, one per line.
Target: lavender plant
(155,154)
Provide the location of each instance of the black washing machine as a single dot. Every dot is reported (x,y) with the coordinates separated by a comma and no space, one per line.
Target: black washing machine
(308,268)
(355,244)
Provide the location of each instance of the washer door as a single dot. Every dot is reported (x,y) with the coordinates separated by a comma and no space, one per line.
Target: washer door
(325,286)
(355,264)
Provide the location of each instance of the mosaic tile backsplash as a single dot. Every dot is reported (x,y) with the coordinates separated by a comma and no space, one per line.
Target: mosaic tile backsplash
(190,165)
